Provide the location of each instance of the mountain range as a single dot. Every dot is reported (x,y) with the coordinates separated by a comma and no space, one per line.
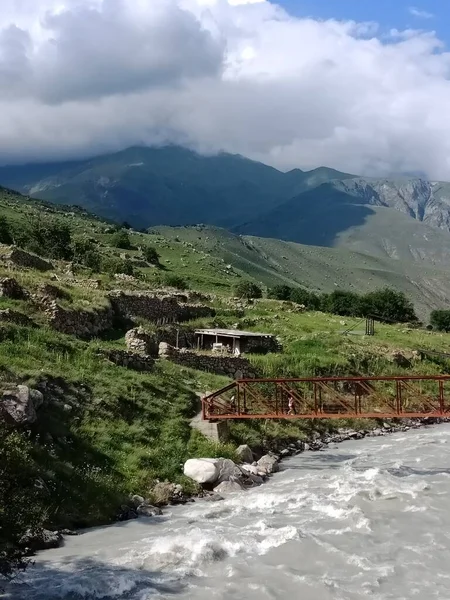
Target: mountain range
(404,218)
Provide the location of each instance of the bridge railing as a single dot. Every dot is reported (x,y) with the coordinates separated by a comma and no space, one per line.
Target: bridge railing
(331,397)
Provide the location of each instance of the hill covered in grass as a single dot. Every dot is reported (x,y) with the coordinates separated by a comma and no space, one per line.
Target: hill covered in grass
(106,430)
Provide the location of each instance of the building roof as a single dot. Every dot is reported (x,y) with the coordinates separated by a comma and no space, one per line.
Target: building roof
(233,333)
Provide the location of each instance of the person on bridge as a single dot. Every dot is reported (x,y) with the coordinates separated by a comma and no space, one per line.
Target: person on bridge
(291,405)
(233,404)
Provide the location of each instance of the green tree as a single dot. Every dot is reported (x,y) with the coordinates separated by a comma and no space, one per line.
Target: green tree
(440,320)
(280,292)
(346,304)
(248,290)
(151,255)
(85,253)
(121,239)
(308,299)
(50,238)
(388,304)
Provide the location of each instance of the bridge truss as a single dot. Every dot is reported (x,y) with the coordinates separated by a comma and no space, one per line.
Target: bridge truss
(331,398)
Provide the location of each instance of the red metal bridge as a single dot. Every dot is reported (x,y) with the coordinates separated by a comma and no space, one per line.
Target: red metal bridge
(331,398)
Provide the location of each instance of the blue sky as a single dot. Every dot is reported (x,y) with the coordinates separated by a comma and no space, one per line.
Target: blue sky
(430,14)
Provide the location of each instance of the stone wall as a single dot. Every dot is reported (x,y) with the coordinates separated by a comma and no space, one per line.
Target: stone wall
(81,323)
(229,366)
(185,337)
(141,341)
(155,308)
(261,345)
(130,360)
(19,257)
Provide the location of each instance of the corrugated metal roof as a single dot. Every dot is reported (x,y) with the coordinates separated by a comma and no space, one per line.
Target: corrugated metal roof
(231,333)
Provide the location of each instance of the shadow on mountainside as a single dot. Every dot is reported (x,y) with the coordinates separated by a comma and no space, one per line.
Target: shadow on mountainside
(314,218)
(78,579)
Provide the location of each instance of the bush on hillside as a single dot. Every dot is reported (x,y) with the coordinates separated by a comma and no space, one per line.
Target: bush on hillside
(280,292)
(388,304)
(151,255)
(176,282)
(340,302)
(50,238)
(85,253)
(308,299)
(248,290)
(121,239)
(440,320)
(6,235)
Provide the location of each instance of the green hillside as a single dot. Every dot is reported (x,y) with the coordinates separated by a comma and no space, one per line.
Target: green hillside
(105,429)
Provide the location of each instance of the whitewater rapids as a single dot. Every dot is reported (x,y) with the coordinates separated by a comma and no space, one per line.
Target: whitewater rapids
(365,519)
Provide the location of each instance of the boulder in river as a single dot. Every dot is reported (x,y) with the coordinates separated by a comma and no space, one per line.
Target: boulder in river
(43,539)
(201,470)
(269,463)
(228,470)
(245,454)
(147,510)
(228,487)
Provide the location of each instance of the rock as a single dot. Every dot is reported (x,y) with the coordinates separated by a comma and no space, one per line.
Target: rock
(68,532)
(201,470)
(137,500)
(255,479)
(245,454)
(228,470)
(148,510)
(42,539)
(269,463)
(8,315)
(126,513)
(141,341)
(285,452)
(19,406)
(214,497)
(250,469)
(10,288)
(163,493)
(228,487)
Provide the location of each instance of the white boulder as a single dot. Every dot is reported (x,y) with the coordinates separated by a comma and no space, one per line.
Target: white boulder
(202,470)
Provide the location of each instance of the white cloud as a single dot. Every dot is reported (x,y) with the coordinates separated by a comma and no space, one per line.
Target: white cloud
(84,76)
(421,14)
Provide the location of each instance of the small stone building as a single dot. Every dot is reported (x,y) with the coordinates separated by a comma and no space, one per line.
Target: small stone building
(236,342)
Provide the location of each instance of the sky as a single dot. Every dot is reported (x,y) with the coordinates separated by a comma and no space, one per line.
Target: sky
(359,85)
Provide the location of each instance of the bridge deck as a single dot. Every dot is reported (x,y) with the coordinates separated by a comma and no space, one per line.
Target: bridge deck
(331,398)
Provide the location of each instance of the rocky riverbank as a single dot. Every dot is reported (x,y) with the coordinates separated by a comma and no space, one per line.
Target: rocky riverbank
(219,477)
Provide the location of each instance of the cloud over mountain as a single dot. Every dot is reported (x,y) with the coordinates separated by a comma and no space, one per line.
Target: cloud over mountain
(84,76)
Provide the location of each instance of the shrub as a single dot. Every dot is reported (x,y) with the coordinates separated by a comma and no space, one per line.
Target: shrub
(248,290)
(308,299)
(50,238)
(121,239)
(280,292)
(340,302)
(151,255)
(440,320)
(85,253)
(6,236)
(176,281)
(388,304)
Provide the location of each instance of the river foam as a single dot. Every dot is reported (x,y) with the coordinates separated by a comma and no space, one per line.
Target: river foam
(369,518)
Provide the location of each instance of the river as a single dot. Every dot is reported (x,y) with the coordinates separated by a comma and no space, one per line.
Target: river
(365,519)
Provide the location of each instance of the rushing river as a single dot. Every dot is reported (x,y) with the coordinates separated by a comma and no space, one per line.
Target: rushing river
(366,519)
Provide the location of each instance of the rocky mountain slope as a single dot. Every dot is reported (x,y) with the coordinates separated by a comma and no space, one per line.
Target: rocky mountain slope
(407,219)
